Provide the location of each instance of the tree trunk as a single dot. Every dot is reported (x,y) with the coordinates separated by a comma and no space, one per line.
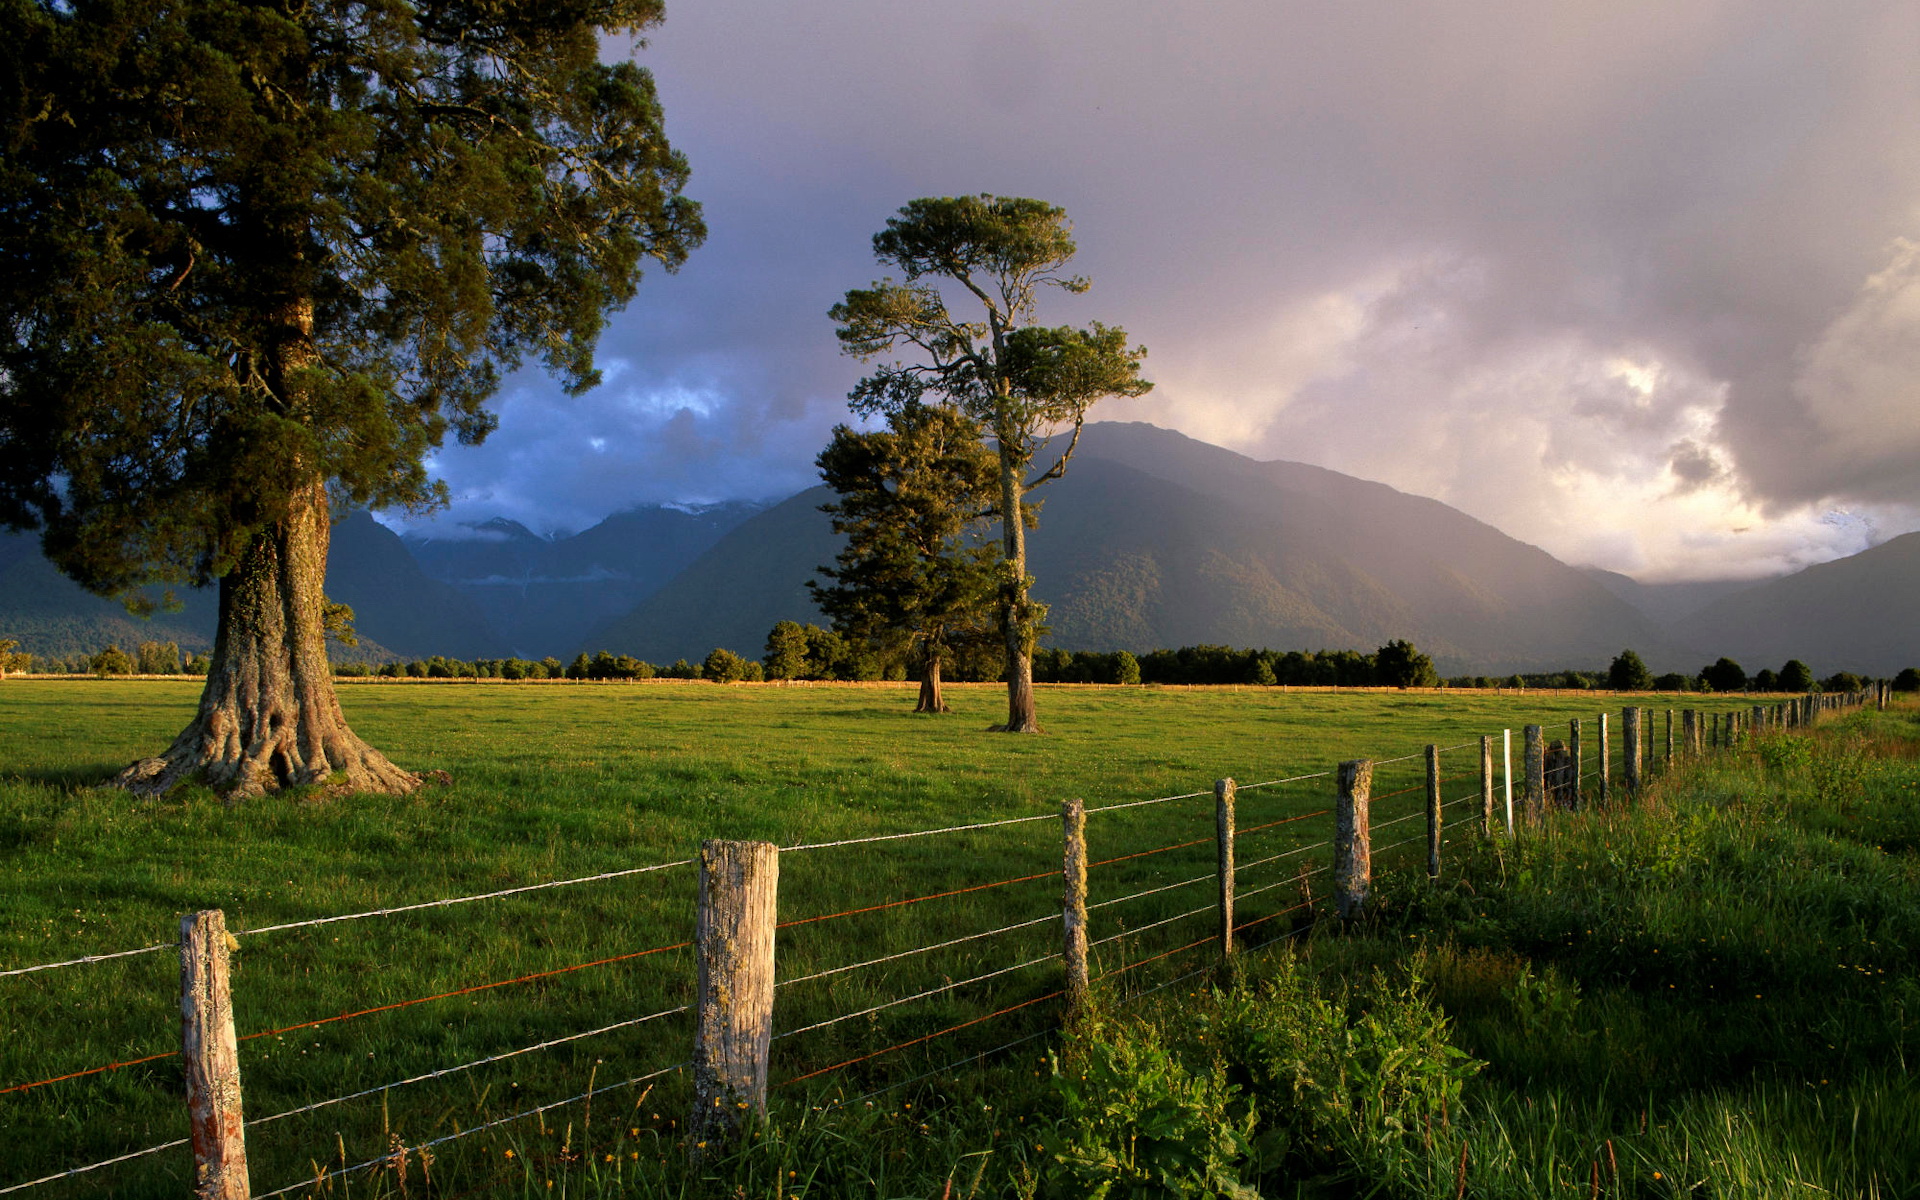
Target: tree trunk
(268,717)
(930,699)
(1015,621)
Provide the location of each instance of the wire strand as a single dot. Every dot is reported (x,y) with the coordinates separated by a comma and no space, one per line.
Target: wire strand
(479,1062)
(1143,803)
(105,1162)
(112,1066)
(1193,912)
(512,891)
(978,887)
(465,991)
(1282,821)
(1248,787)
(971,937)
(923,1038)
(495,1124)
(1155,891)
(89,958)
(945,987)
(894,837)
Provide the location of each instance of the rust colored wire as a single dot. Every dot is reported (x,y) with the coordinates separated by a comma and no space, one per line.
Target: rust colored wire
(1270,916)
(1282,821)
(465,991)
(112,1066)
(1214,937)
(1146,853)
(927,1037)
(978,887)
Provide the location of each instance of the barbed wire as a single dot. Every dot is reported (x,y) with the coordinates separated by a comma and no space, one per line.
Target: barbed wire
(89,958)
(945,987)
(1248,787)
(448,903)
(479,987)
(1148,853)
(1114,937)
(1154,891)
(105,1162)
(1143,803)
(978,887)
(958,1062)
(112,1066)
(479,1062)
(895,837)
(971,937)
(1282,821)
(1261,862)
(923,1038)
(390,1156)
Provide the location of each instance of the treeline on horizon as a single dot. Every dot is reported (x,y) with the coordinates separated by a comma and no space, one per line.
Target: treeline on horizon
(796,652)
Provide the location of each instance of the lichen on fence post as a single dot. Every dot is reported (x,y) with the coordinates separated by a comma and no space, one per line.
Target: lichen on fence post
(1533,803)
(1630,744)
(212,1059)
(733,987)
(1578,753)
(1433,813)
(1352,843)
(1486,785)
(1073,903)
(1223,791)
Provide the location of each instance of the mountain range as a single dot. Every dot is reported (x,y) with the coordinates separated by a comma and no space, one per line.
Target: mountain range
(1151,539)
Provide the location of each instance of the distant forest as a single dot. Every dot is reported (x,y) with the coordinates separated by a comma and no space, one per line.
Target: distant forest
(808,652)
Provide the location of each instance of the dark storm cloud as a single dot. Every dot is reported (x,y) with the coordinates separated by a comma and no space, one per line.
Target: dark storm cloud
(1637,266)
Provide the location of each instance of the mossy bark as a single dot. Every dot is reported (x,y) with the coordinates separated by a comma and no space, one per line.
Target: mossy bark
(268,717)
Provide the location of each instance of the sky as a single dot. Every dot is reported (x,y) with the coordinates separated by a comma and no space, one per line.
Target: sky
(1638,283)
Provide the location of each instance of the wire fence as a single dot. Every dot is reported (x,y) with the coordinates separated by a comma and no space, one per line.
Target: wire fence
(1144,925)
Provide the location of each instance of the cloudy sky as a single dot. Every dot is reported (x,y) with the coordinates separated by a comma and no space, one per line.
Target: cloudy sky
(1636,282)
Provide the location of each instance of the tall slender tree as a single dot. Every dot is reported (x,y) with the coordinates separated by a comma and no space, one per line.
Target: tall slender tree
(913,501)
(257,259)
(1023,382)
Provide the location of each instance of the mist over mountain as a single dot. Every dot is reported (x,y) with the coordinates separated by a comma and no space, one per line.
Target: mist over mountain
(545,596)
(1155,539)
(1853,614)
(1151,540)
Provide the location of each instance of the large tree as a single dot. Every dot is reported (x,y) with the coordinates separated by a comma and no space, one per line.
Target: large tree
(1023,382)
(257,259)
(912,502)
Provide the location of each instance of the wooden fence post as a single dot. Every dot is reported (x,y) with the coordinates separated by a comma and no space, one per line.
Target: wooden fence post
(733,986)
(1533,803)
(1486,785)
(1630,738)
(1669,742)
(1506,774)
(212,1056)
(1577,752)
(1352,841)
(1689,733)
(1433,813)
(1606,761)
(1073,904)
(1223,791)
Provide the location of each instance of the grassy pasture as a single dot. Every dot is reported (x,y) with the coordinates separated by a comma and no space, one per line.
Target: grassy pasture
(557,781)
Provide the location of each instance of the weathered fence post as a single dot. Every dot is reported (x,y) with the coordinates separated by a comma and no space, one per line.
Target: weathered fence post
(1073,903)
(1506,774)
(212,1056)
(1606,761)
(1689,733)
(1486,785)
(733,986)
(1352,841)
(1223,791)
(1433,813)
(1669,742)
(1533,803)
(1630,737)
(1577,752)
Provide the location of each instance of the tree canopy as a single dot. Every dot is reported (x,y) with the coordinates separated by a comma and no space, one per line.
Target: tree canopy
(260,259)
(913,500)
(1627,673)
(1023,382)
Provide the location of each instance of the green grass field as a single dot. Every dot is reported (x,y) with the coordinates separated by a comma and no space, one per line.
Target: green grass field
(559,781)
